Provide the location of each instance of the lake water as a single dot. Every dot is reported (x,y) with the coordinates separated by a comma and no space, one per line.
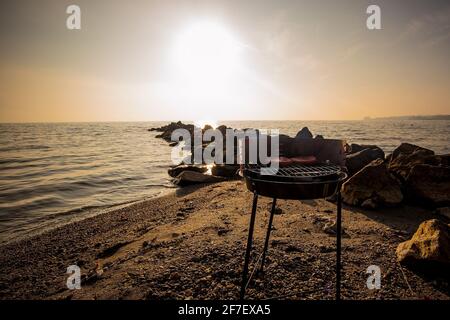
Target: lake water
(54,173)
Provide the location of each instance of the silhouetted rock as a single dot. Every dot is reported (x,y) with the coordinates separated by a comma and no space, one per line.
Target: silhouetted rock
(175,171)
(207,127)
(443,212)
(402,164)
(428,249)
(304,134)
(407,148)
(373,182)
(354,148)
(225,170)
(166,131)
(429,185)
(356,161)
(223,129)
(191,177)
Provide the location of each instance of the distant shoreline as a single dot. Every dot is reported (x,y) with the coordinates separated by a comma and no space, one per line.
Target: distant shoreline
(431,117)
(417,117)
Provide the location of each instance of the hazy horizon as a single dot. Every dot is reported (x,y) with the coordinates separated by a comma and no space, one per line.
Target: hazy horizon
(214,60)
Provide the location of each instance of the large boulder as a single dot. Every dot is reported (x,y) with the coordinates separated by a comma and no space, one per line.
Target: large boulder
(429,185)
(225,170)
(374,183)
(402,164)
(354,147)
(191,177)
(223,129)
(428,249)
(175,171)
(408,148)
(443,212)
(356,161)
(304,134)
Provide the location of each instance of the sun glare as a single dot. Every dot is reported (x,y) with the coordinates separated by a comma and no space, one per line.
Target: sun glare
(205,58)
(206,51)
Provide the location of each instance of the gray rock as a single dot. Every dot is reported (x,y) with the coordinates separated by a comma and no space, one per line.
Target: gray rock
(359,147)
(429,185)
(225,170)
(192,177)
(175,171)
(408,148)
(401,165)
(373,182)
(356,161)
(304,134)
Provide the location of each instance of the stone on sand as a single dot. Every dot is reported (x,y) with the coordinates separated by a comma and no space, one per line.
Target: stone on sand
(175,171)
(383,188)
(192,177)
(429,247)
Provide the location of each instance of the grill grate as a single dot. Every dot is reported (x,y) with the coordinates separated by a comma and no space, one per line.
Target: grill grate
(297,170)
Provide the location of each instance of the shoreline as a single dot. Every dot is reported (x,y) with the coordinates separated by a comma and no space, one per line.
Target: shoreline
(190,243)
(85,212)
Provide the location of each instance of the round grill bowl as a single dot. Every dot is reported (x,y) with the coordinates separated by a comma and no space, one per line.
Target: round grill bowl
(304,190)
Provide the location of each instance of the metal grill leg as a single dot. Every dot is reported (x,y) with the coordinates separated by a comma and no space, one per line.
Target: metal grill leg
(249,246)
(338,247)
(269,229)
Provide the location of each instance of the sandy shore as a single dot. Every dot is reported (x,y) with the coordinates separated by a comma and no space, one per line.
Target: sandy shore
(190,245)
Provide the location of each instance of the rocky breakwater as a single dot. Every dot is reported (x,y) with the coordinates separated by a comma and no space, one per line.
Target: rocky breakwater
(187,174)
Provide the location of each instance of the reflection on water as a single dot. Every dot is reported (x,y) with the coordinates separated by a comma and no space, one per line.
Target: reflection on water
(52,173)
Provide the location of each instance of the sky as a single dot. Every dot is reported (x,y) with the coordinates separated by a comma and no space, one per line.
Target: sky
(223,60)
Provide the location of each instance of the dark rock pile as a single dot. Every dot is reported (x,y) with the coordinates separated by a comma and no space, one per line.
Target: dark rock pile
(415,172)
(186,174)
(166,131)
(411,173)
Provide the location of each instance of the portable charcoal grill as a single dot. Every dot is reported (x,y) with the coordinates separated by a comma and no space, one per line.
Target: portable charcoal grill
(294,182)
